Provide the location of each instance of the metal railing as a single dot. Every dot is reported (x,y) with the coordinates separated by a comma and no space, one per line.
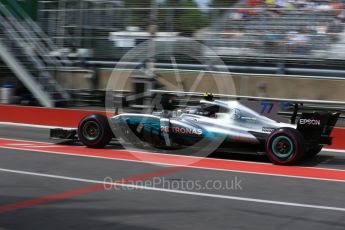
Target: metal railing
(29,59)
(38,36)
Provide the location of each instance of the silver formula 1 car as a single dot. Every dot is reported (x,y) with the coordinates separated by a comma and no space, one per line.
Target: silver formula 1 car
(213,124)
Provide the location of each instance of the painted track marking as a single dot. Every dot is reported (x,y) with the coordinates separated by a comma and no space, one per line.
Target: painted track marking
(188,162)
(334,150)
(190,193)
(33,126)
(75,192)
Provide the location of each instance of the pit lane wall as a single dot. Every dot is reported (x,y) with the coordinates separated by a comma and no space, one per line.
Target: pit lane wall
(278,86)
(71,117)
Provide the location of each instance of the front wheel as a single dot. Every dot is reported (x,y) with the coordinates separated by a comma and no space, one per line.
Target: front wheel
(94,131)
(285,146)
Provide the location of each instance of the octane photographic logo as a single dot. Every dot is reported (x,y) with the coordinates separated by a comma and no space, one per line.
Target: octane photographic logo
(138,66)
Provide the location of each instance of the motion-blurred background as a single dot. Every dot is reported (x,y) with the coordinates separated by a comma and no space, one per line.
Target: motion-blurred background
(62,52)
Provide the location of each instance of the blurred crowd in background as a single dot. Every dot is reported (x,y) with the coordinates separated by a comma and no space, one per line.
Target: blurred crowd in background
(232,28)
(58,46)
(289,23)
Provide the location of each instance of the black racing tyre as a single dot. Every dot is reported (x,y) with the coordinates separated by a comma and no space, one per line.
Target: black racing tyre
(285,146)
(310,153)
(94,131)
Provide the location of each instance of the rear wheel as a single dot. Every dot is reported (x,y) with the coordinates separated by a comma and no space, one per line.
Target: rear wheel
(94,131)
(285,146)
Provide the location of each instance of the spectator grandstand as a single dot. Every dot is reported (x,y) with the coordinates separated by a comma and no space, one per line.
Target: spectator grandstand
(281,28)
(290,28)
(65,38)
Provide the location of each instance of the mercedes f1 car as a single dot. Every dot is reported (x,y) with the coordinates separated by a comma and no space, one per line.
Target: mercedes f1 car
(231,124)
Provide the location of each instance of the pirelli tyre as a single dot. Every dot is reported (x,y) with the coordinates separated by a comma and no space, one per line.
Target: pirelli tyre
(285,146)
(312,152)
(94,131)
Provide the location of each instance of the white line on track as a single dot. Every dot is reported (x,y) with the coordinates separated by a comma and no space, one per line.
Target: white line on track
(181,165)
(334,150)
(28,141)
(45,146)
(60,127)
(20,144)
(137,151)
(32,145)
(190,193)
(157,153)
(32,126)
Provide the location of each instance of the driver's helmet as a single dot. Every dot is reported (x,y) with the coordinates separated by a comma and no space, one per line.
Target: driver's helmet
(208,96)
